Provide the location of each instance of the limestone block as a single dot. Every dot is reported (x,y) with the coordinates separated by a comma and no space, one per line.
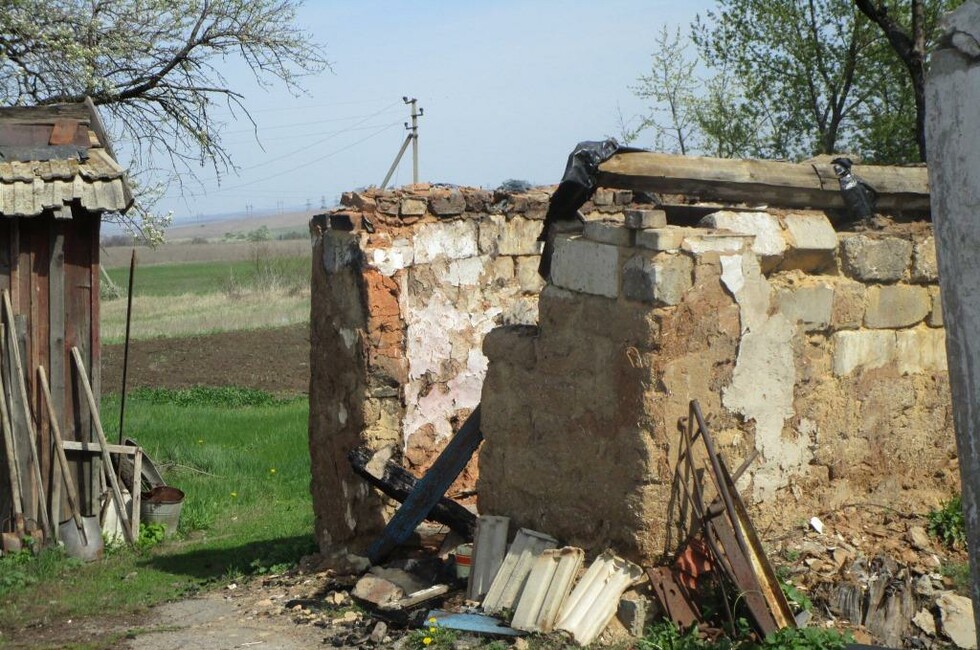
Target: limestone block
(451,239)
(924,265)
(606,232)
(810,306)
(602,197)
(894,306)
(936,312)
(662,239)
(397,256)
(812,242)
(467,271)
(528,277)
(660,280)
(862,350)
(448,205)
(586,266)
(848,308)
(501,271)
(956,615)
(716,243)
(876,259)
(768,242)
(412,207)
(644,219)
(515,236)
(921,350)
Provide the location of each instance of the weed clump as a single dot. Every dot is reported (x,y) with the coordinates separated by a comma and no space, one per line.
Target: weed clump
(946,523)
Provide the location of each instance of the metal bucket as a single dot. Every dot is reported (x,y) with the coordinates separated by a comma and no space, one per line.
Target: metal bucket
(75,546)
(162,505)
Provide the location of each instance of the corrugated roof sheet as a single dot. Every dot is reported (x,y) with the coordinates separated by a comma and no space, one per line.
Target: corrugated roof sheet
(28,188)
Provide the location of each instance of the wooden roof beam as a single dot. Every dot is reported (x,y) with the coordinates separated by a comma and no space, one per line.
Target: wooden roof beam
(779,184)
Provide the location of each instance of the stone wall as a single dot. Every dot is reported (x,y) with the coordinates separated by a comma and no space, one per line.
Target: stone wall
(405,285)
(823,351)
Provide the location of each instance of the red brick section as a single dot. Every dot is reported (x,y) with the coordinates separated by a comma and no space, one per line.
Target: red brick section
(385,328)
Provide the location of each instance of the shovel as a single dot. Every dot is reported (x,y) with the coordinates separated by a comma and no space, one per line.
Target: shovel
(82,535)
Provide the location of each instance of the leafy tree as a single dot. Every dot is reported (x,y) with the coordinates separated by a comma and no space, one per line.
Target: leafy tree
(155,66)
(671,86)
(910,35)
(823,75)
(800,59)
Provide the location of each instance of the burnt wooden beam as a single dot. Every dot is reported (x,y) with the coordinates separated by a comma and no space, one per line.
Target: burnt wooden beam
(430,488)
(397,482)
(783,184)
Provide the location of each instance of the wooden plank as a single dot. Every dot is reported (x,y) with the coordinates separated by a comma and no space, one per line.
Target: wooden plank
(96,448)
(56,343)
(781,184)
(38,346)
(137,491)
(32,441)
(106,460)
(398,483)
(430,488)
(95,338)
(77,334)
(46,114)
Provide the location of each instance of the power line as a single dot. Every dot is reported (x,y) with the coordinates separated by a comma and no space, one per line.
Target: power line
(296,124)
(292,169)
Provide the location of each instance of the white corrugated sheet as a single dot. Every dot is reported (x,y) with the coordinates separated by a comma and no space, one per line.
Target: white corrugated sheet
(546,589)
(489,546)
(593,602)
(509,582)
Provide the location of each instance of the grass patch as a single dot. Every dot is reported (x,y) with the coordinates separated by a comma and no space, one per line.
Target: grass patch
(201,278)
(191,315)
(245,470)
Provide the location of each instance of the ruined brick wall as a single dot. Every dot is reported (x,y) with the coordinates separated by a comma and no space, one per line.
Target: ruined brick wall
(405,285)
(823,351)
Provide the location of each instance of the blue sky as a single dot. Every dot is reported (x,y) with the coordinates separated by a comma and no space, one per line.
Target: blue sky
(508,88)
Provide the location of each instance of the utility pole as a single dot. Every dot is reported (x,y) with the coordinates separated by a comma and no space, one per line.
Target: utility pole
(413,137)
(953,143)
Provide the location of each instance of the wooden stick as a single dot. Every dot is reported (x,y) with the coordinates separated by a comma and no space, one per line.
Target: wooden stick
(106,459)
(28,416)
(137,490)
(8,445)
(96,448)
(71,491)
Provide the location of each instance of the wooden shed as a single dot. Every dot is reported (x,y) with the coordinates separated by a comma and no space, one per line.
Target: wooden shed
(58,177)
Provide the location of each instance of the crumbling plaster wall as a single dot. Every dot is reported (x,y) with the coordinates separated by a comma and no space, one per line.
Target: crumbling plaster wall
(823,351)
(406,283)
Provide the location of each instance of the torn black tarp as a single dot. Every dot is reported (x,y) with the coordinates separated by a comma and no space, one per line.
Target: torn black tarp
(576,187)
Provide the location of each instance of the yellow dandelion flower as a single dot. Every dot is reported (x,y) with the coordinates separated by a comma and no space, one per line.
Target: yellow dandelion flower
(272,470)
(427,640)
(432,629)
(234,495)
(432,619)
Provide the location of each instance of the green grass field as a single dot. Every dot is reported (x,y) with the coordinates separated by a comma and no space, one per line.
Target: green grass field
(241,458)
(200,278)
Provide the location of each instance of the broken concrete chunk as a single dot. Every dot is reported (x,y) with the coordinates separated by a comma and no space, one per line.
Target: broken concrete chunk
(919,538)
(925,621)
(876,259)
(956,616)
(377,591)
